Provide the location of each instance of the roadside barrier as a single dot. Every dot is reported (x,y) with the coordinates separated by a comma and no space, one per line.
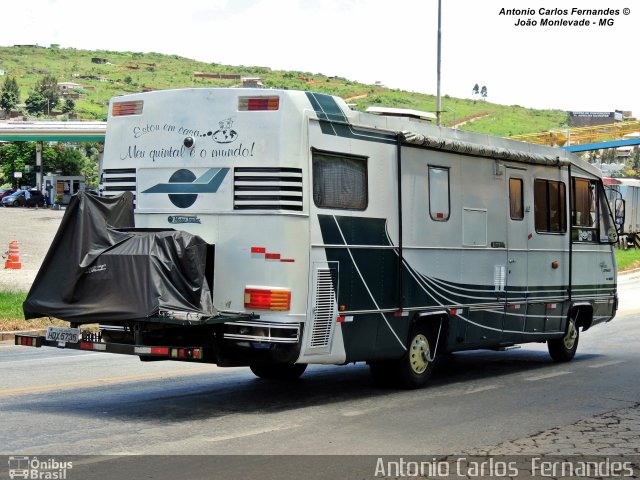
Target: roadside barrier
(13,256)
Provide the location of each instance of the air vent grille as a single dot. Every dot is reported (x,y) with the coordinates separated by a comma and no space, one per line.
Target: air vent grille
(324,310)
(263,188)
(115,181)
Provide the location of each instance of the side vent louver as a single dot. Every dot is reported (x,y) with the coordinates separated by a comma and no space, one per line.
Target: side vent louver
(263,188)
(324,311)
(118,180)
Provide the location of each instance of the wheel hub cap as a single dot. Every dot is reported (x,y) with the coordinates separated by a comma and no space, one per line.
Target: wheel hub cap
(419,354)
(570,337)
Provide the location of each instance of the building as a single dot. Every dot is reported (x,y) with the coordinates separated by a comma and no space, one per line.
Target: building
(592,119)
(64,86)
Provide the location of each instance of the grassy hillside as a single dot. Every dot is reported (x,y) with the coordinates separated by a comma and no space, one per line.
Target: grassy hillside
(128,72)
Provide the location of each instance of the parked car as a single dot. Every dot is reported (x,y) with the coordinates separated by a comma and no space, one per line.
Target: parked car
(36,199)
(5,192)
(18,199)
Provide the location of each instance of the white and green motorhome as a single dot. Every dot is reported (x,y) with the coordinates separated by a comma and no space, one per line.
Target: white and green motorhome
(340,236)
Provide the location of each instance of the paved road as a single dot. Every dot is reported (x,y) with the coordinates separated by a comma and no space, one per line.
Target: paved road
(70,402)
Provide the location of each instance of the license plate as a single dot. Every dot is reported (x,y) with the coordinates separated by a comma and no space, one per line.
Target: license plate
(63,335)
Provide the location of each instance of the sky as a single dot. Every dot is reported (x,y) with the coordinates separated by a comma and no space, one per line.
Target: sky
(580,68)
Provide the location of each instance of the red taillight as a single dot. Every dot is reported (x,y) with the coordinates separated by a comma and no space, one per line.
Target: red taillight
(258,103)
(267,299)
(119,109)
(28,341)
(159,351)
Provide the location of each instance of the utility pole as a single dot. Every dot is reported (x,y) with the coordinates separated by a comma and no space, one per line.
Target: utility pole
(39,171)
(439,101)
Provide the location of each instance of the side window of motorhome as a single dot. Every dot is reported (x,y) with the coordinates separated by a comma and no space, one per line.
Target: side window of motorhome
(584,217)
(549,205)
(516,199)
(439,193)
(339,181)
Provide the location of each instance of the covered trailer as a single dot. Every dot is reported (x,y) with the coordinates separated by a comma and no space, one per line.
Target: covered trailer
(327,235)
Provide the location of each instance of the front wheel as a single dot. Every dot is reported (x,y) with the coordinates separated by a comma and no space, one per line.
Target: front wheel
(564,349)
(278,371)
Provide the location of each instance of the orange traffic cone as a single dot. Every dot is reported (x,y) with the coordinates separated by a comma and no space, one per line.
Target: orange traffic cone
(13,259)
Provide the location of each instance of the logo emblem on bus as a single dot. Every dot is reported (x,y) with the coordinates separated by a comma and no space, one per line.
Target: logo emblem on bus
(183,187)
(225,134)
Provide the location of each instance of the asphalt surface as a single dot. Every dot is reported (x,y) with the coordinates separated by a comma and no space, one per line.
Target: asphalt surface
(34,230)
(69,402)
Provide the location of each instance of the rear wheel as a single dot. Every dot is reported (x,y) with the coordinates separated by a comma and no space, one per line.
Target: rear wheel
(415,367)
(564,349)
(417,364)
(278,371)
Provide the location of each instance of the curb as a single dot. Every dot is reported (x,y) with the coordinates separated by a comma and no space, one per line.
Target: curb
(6,336)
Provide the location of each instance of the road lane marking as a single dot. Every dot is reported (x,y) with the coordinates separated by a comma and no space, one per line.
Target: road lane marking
(250,433)
(480,389)
(47,359)
(546,375)
(98,382)
(606,364)
(357,413)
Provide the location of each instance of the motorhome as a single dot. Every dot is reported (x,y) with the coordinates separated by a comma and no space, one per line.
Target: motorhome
(332,236)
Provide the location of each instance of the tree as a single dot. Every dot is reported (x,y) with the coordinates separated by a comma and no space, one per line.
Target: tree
(69,161)
(36,104)
(69,106)
(48,86)
(90,169)
(10,95)
(16,155)
(483,91)
(476,89)
(45,96)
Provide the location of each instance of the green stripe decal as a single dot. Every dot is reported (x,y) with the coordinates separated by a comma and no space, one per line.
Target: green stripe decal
(333,121)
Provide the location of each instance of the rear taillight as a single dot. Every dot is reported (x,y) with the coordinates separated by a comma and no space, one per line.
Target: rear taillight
(28,341)
(258,103)
(267,298)
(119,109)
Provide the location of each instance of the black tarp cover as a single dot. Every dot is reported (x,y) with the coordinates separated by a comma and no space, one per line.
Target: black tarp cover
(98,271)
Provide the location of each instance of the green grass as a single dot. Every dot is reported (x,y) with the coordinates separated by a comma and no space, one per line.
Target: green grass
(628,259)
(11,304)
(129,72)
(12,318)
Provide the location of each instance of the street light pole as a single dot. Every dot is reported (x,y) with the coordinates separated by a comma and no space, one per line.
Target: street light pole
(439,101)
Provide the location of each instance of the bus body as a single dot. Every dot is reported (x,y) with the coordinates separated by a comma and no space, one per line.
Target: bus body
(624,193)
(341,236)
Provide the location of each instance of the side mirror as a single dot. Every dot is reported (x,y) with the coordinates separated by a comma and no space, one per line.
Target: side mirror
(619,213)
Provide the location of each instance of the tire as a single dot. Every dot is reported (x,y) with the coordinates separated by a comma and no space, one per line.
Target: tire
(383,373)
(278,371)
(564,349)
(415,367)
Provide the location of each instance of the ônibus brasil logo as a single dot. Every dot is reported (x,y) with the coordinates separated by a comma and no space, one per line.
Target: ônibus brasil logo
(183,187)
